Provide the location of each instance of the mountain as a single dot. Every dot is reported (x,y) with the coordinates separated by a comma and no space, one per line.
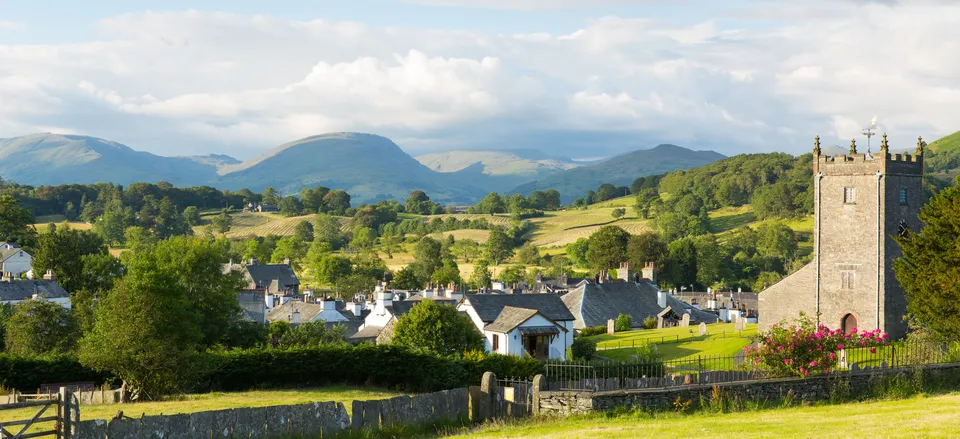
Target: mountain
(507,168)
(367,166)
(621,170)
(216,160)
(53,159)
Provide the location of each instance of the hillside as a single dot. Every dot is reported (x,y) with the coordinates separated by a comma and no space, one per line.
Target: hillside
(367,166)
(215,160)
(621,170)
(511,168)
(54,159)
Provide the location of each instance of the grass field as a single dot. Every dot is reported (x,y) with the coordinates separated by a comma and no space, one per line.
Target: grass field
(722,340)
(475,235)
(219,401)
(42,221)
(927,417)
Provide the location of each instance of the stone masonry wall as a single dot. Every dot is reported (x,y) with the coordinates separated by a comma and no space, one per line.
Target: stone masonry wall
(809,389)
(306,420)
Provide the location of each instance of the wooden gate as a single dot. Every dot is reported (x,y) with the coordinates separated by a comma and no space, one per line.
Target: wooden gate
(39,416)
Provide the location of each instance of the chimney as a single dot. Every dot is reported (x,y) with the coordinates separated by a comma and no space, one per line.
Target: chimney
(384,298)
(456,295)
(50,276)
(356,308)
(662,299)
(649,272)
(564,279)
(539,277)
(328,304)
(450,289)
(624,272)
(268,299)
(7,276)
(296,317)
(253,261)
(428,293)
(286,261)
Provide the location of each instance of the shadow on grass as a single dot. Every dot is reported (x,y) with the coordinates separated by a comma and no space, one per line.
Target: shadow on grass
(730,222)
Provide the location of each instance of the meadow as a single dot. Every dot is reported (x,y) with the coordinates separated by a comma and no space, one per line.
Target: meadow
(678,344)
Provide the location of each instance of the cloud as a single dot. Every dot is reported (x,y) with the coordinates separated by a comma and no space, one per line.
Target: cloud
(527,5)
(12,25)
(196,82)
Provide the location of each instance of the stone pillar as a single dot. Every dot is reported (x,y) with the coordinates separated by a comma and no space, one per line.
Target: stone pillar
(611,327)
(488,400)
(539,385)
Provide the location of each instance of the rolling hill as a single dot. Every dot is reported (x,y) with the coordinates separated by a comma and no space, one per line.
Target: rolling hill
(509,168)
(367,166)
(621,170)
(54,159)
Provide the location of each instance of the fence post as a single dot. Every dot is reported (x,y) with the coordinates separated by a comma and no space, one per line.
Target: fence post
(539,384)
(63,405)
(893,348)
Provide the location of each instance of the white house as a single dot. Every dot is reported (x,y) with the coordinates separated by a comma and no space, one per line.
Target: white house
(378,323)
(14,260)
(327,310)
(14,291)
(530,325)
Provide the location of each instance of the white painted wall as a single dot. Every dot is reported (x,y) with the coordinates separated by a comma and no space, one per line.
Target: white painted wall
(17,264)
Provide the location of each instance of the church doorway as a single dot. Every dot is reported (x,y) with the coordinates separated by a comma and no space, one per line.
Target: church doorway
(849,323)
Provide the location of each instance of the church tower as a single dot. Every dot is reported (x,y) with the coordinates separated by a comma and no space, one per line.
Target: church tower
(861,202)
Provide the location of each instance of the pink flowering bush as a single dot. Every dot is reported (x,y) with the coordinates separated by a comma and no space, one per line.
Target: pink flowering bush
(801,348)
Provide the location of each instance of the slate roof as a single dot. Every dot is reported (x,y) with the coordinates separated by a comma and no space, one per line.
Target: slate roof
(254,307)
(25,289)
(489,306)
(6,254)
(593,304)
(696,315)
(510,318)
(263,274)
(367,333)
(308,311)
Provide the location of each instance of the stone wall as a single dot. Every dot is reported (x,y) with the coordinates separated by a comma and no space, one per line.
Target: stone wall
(809,389)
(306,420)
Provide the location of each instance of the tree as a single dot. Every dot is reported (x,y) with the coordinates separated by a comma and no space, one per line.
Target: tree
(681,264)
(336,202)
(623,323)
(173,301)
(407,278)
(271,196)
(930,267)
(222,222)
(513,274)
(330,269)
(438,329)
(607,248)
(448,274)
(465,249)
(291,248)
(418,202)
(40,327)
(312,199)
(429,255)
(577,252)
(289,206)
(709,260)
(327,229)
(100,272)
(363,238)
(529,255)
(481,276)
(246,335)
(114,221)
(315,333)
(61,250)
(618,213)
(499,246)
(646,247)
(582,349)
(776,240)
(192,215)
(169,222)
(303,231)
(492,203)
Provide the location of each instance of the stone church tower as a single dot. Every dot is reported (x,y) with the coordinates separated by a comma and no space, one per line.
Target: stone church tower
(861,202)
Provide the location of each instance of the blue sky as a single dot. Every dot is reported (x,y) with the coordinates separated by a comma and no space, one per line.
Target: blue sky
(575,78)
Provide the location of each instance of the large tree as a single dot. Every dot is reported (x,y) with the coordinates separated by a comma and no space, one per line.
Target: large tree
(644,248)
(438,329)
(16,222)
(929,270)
(607,248)
(61,250)
(173,301)
(40,327)
(499,246)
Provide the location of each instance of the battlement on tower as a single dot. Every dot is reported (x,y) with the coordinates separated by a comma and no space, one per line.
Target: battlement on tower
(860,163)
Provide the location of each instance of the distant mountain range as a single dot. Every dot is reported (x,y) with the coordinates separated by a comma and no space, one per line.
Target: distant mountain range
(621,170)
(367,166)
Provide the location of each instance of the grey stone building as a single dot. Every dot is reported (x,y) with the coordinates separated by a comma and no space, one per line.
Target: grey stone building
(861,202)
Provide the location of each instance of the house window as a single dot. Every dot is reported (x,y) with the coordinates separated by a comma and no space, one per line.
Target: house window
(849,195)
(496,342)
(537,346)
(903,196)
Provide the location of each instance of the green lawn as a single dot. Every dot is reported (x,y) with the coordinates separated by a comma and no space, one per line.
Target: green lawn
(219,401)
(722,340)
(928,417)
(676,334)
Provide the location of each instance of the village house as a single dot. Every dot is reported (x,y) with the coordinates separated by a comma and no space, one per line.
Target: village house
(596,301)
(275,283)
(14,260)
(14,291)
(379,322)
(330,311)
(527,325)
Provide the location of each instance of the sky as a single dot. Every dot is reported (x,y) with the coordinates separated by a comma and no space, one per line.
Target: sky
(572,78)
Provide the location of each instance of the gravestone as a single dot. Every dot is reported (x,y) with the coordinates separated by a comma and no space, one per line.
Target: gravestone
(703,328)
(685,321)
(741,322)
(611,327)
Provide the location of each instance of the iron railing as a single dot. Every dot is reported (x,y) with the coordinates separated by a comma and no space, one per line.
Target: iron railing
(613,375)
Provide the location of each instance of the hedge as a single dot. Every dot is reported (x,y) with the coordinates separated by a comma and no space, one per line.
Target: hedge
(383,366)
(27,374)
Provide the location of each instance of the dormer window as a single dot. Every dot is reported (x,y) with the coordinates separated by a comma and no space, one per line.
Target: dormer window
(849,195)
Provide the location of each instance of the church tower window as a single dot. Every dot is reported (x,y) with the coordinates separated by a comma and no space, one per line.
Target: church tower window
(903,196)
(849,195)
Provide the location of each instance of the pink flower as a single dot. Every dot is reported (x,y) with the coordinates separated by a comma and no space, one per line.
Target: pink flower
(840,347)
(813,363)
(873,350)
(832,355)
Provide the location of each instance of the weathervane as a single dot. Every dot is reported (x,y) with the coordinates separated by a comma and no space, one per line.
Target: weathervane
(868,131)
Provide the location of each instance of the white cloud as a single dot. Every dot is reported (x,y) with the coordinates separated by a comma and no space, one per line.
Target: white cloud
(12,25)
(192,82)
(527,5)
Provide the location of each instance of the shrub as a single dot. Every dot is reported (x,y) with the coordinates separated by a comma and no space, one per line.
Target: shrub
(624,322)
(802,348)
(592,331)
(650,323)
(582,349)
(29,373)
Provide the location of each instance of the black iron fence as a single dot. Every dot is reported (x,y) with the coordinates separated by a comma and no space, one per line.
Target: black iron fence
(612,375)
(517,391)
